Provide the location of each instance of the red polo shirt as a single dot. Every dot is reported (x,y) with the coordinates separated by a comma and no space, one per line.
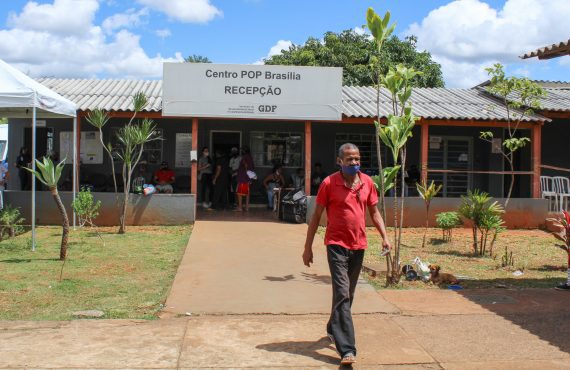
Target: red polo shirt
(346,210)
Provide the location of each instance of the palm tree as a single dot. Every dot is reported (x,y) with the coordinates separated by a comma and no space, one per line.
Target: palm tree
(427,193)
(49,175)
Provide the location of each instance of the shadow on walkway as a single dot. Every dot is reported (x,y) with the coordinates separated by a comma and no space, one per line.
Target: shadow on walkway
(307,349)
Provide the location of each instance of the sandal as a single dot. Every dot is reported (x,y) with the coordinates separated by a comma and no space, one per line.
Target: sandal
(348,359)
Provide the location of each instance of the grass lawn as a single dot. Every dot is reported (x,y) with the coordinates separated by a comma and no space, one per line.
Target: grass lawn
(129,277)
(534,252)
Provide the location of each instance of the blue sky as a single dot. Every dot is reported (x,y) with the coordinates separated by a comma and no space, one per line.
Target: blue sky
(131,39)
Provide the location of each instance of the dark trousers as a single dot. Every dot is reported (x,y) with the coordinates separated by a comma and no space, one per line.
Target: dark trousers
(206,187)
(344,265)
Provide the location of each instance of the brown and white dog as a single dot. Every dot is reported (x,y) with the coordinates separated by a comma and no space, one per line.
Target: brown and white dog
(437,277)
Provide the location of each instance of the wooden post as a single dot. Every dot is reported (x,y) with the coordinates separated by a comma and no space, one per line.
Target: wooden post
(308,139)
(77,159)
(536,159)
(194,164)
(424,151)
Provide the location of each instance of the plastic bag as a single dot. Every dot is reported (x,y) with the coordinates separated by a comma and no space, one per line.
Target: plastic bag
(423,269)
(148,189)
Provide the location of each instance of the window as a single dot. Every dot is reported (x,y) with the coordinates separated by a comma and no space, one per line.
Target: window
(152,152)
(271,148)
(366,143)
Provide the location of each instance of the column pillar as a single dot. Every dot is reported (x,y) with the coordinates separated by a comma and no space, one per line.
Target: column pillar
(194,164)
(77,159)
(308,152)
(424,151)
(536,159)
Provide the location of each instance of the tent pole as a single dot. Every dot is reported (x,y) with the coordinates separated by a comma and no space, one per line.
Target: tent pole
(33,177)
(73,164)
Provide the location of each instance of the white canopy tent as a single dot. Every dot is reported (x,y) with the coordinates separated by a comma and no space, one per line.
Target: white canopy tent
(22,97)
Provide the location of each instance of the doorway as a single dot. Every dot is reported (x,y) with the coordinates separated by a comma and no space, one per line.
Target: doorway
(224,141)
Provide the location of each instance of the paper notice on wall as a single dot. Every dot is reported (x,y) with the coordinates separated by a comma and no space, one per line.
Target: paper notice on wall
(496,146)
(183,149)
(91,151)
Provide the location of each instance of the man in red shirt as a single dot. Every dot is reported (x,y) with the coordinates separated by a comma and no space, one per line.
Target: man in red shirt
(345,195)
(164,178)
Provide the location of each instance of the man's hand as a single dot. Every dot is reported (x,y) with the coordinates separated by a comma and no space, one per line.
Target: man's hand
(308,256)
(386,247)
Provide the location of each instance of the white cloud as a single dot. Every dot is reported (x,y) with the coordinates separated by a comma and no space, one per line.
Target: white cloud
(276,49)
(66,17)
(54,50)
(359,30)
(467,35)
(189,11)
(129,19)
(163,33)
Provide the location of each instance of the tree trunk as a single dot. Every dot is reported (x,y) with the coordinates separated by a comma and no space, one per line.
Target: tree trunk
(65,224)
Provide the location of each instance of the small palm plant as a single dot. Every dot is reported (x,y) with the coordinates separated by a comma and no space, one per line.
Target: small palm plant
(427,193)
(49,175)
(563,234)
(447,221)
(477,208)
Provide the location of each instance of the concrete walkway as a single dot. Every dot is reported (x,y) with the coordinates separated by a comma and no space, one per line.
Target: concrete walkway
(256,268)
(436,329)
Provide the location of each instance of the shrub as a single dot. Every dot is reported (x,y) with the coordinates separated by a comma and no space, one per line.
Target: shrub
(10,221)
(447,221)
(485,216)
(85,207)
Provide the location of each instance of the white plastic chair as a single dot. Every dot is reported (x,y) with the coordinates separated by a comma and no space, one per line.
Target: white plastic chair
(547,191)
(562,189)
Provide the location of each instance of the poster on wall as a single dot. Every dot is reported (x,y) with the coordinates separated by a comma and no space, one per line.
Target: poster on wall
(183,149)
(91,151)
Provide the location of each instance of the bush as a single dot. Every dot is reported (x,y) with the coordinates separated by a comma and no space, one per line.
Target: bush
(447,221)
(10,221)
(485,215)
(85,207)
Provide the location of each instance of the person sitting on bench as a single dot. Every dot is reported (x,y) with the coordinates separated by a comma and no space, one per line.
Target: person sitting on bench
(164,179)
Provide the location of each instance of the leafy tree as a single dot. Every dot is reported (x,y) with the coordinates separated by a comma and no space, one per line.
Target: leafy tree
(49,175)
(197,59)
(10,221)
(361,57)
(520,96)
(132,138)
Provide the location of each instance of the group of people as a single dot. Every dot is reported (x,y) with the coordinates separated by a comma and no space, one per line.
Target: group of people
(163,180)
(225,179)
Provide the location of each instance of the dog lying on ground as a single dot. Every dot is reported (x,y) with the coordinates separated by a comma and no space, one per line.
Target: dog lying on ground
(438,278)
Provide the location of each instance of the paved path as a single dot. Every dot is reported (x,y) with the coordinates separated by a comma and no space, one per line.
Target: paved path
(495,329)
(256,268)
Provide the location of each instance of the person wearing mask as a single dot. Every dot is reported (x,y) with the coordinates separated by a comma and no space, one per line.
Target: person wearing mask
(164,179)
(272,181)
(235,160)
(220,181)
(205,170)
(246,164)
(24,160)
(346,195)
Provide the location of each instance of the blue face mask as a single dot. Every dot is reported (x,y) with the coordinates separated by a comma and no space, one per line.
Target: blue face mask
(350,170)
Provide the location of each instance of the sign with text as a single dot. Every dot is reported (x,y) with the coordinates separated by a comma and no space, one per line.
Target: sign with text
(252,91)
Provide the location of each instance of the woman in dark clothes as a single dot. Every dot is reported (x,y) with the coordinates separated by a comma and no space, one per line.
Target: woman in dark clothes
(221,181)
(22,162)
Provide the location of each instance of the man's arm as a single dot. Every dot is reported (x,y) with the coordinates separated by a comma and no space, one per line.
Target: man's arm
(379,224)
(311,231)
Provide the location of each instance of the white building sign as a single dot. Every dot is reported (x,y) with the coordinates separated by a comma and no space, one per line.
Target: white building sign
(252,91)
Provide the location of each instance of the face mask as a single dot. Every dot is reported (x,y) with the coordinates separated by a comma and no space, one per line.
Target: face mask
(350,170)
(206,154)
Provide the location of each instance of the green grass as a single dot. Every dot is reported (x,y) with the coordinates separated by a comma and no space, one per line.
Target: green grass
(534,252)
(128,277)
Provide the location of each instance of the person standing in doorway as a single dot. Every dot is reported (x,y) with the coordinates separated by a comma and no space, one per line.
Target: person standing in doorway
(346,195)
(246,164)
(24,160)
(317,177)
(205,170)
(220,181)
(272,181)
(235,160)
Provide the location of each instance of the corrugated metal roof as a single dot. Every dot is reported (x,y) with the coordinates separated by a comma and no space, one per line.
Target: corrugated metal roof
(556,99)
(429,103)
(111,95)
(550,51)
